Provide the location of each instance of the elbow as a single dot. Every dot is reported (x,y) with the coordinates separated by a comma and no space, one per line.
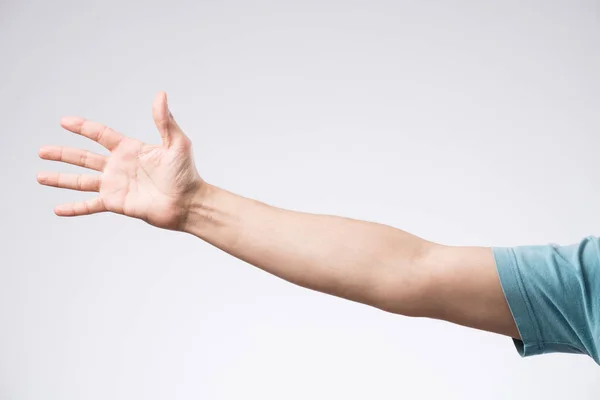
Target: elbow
(405,286)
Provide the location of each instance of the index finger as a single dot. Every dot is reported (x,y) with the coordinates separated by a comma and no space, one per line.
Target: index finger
(102,134)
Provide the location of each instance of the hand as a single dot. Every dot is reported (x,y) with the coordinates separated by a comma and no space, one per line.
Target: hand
(154,183)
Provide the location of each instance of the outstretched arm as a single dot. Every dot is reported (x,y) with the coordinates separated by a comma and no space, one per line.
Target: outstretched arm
(362,261)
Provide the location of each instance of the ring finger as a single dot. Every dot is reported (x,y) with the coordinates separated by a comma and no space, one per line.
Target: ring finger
(85,183)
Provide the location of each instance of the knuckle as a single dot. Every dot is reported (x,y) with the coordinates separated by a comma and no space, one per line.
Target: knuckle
(83,159)
(100,134)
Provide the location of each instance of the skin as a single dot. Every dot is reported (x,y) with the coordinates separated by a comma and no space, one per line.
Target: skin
(361,261)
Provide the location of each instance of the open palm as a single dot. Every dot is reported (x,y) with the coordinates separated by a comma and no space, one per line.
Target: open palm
(150,182)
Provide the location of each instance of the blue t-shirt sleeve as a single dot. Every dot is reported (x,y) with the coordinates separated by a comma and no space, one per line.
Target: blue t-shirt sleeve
(553,292)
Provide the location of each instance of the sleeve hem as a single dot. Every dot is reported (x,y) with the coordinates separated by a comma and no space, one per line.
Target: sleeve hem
(518,301)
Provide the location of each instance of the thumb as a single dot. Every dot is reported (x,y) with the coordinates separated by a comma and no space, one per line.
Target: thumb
(169,131)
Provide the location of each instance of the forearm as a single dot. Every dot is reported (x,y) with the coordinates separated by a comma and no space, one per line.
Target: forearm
(356,260)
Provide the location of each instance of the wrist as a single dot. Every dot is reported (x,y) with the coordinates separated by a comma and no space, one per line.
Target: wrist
(195,210)
(218,216)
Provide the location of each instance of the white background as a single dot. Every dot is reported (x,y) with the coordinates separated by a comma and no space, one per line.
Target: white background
(464,122)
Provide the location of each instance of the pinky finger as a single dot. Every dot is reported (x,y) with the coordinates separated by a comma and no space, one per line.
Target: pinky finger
(87,207)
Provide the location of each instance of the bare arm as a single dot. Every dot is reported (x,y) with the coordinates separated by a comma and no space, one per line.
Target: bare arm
(361,261)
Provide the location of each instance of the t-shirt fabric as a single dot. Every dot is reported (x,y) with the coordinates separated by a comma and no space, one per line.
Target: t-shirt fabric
(553,292)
